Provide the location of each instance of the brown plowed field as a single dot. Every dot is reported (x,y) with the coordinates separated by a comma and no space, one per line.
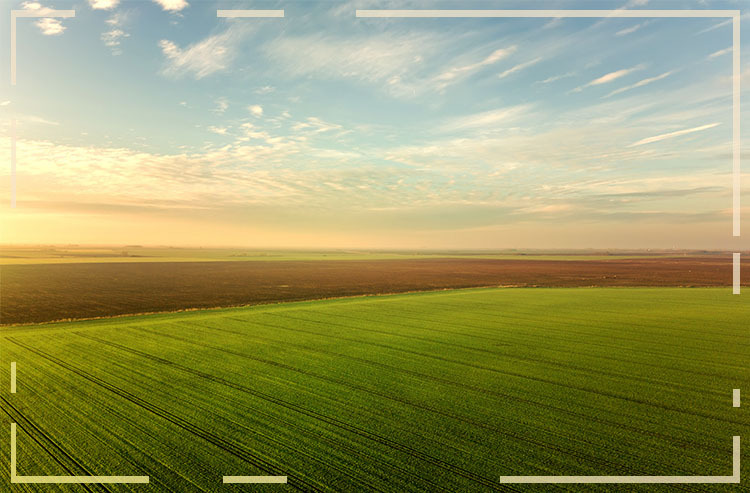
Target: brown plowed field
(37,293)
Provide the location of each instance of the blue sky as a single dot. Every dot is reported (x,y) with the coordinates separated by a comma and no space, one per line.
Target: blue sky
(155,122)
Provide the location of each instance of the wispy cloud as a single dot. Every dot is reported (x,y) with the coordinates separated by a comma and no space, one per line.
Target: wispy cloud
(112,37)
(486,118)
(719,53)
(609,77)
(36,119)
(454,74)
(518,68)
(255,110)
(555,78)
(265,90)
(553,23)
(221,105)
(715,26)
(631,29)
(671,135)
(316,125)
(640,83)
(202,58)
(388,61)
(172,5)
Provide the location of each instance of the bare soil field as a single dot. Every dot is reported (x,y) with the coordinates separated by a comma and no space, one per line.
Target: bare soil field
(46,292)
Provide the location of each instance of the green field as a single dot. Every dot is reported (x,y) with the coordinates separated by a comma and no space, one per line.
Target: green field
(440,391)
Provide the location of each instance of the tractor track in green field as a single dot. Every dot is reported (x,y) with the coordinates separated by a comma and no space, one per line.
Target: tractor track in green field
(691,372)
(496,370)
(53,449)
(286,423)
(516,436)
(446,381)
(219,442)
(527,359)
(229,447)
(565,325)
(570,318)
(319,416)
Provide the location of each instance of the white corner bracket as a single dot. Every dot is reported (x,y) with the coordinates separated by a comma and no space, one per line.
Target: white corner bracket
(15,14)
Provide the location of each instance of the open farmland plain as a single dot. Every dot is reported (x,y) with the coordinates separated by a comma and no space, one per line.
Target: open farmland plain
(441,391)
(56,291)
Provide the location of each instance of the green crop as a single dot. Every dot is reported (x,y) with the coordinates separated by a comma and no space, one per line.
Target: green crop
(440,391)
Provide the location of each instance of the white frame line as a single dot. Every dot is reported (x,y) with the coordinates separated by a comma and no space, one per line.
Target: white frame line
(542,13)
(14,14)
(734,478)
(13,163)
(14,478)
(12,377)
(238,13)
(736,172)
(254,479)
(736,168)
(736,273)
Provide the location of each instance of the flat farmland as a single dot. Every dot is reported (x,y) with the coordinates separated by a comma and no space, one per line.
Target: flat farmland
(45,292)
(438,391)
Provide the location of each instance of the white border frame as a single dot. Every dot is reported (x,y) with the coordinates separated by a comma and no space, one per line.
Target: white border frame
(736,174)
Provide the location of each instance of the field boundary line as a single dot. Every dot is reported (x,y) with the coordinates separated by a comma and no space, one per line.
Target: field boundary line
(15,478)
(734,478)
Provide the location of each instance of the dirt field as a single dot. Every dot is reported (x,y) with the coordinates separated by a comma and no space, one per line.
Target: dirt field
(37,293)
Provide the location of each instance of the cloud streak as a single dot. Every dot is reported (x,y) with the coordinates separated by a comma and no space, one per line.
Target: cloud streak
(640,83)
(609,77)
(518,68)
(486,118)
(671,135)
(720,53)
(630,30)
(454,74)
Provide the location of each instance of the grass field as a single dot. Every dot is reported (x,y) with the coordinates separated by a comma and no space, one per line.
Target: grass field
(442,391)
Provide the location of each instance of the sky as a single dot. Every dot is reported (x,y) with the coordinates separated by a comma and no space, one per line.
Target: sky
(157,123)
